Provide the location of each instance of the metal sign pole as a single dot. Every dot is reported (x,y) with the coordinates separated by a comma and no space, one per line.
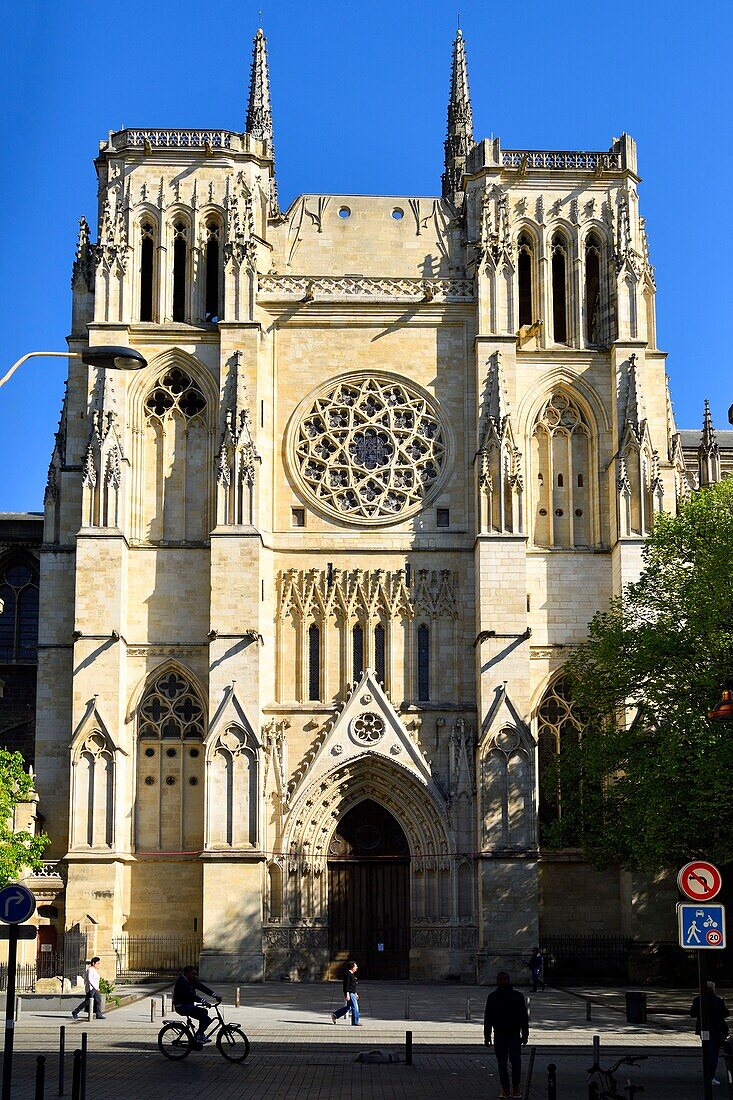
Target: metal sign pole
(702,980)
(10,1011)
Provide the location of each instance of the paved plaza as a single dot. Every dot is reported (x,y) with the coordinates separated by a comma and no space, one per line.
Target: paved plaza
(297,1052)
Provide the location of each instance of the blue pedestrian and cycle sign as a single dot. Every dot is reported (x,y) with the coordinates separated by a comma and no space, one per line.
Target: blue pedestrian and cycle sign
(701,927)
(17,904)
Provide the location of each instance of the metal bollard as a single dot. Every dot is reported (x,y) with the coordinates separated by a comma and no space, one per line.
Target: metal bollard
(596,1050)
(152,1010)
(408,1048)
(468,1008)
(407,1006)
(76,1077)
(83,1089)
(588,1008)
(40,1078)
(237,998)
(162,1004)
(552,1081)
(62,1052)
(90,1009)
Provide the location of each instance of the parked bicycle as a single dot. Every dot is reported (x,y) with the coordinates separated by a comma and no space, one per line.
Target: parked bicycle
(177,1039)
(602,1083)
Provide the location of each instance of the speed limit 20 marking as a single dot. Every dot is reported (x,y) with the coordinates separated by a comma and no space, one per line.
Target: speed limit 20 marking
(714,937)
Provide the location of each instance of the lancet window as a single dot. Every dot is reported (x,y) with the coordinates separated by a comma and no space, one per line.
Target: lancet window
(561,452)
(525,264)
(19,615)
(593,304)
(170,769)
(423,663)
(357,643)
(94,793)
(380,661)
(147,269)
(559,289)
(558,729)
(233,791)
(314,662)
(180,265)
(212,293)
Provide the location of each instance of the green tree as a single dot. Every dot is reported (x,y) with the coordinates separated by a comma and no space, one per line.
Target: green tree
(21,849)
(655,773)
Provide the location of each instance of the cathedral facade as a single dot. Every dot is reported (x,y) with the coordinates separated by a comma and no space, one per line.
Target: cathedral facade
(309,578)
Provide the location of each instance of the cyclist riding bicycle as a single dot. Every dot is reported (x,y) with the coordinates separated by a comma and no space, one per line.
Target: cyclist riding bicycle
(185,1000)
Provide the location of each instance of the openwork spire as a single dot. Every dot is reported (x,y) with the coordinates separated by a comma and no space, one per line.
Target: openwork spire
(708,453)
(259,109)
(459,137)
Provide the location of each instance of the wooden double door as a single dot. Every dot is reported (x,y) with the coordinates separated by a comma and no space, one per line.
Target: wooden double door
(369,894)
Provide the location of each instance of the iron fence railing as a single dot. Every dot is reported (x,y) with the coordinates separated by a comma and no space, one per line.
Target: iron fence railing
(586,958)
(155,956)
(25,978)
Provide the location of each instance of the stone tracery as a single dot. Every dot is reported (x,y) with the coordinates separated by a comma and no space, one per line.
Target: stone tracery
(369,448)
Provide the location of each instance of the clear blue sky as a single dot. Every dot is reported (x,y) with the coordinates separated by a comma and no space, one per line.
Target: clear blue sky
(359,97)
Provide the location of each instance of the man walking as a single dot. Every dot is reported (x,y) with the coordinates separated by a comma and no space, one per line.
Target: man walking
(91,990)
(537,969)
(715,1012)
(351,997)
(506,1016)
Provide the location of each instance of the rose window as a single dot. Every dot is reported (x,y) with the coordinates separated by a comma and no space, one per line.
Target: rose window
(367,728)
(369,448)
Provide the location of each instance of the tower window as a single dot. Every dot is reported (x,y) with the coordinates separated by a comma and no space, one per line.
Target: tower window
(423,664)
(180,256)
(524,273)
(314,662)
(593,291)
(443,517)
(212,310)
(357,638)
(147,261)
(559,291)
(19,617)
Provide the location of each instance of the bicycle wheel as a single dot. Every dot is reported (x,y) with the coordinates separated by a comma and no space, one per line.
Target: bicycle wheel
(232,1043)
(174,1042)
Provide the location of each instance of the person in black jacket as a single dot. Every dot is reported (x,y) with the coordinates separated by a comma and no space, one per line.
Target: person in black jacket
(714,1022)
(506,1017)
(351,997)
(184,1000)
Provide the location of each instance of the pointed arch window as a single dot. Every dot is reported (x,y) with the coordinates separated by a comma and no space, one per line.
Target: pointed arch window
(357,647)
(559,289)
(525,261)
(561,455)
(170,772)
(180,263)
(314,662)
(147,268)
(212,305)
(423,664)
(19,616)
(593,334)
(380,663)
(558,729)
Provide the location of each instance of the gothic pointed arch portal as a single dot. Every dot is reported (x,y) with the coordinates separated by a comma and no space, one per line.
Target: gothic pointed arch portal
(369,893)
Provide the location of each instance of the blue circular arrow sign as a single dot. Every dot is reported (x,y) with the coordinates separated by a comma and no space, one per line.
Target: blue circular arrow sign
(17,904)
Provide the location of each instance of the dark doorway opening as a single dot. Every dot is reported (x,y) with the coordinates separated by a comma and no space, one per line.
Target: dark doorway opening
(369,894)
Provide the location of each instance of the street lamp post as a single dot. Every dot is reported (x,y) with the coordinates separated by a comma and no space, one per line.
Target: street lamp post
(106,357)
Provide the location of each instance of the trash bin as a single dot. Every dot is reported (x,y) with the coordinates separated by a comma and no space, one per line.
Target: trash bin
(635,1007)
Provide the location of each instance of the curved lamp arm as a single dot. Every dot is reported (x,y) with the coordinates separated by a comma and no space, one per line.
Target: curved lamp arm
(30,355)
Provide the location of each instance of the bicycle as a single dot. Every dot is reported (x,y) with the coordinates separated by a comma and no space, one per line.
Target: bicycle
(176,1039)
(604,1080)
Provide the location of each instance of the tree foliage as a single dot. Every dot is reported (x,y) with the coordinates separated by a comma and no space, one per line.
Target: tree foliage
(656,774)
(18,850)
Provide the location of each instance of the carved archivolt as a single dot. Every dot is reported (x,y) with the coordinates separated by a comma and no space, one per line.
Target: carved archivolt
(369,448)
(316,811)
